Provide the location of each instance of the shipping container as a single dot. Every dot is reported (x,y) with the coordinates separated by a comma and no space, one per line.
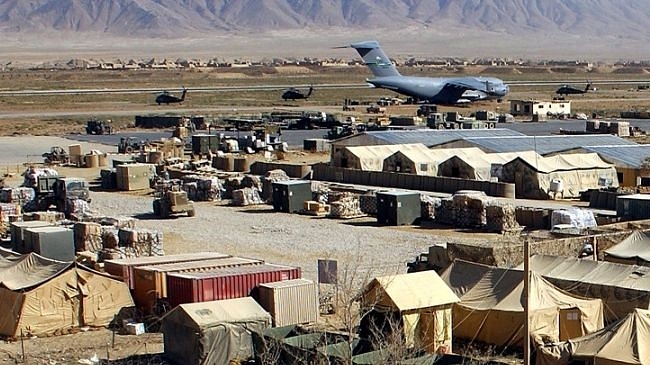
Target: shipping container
(123,268)
(289,196)
(150,282)
(202,143)
(56,243)
(17,230)
(290,302)
(398,207)
(633,207)
(221,284)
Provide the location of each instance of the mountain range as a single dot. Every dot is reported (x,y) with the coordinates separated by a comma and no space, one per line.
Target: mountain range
(182,18)
(596,29)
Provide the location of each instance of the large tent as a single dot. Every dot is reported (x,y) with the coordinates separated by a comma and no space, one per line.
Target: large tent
(634,250)
(371,158)
(575,172)
(478,165)
(624,342)
(491,307)
(42,296)
(425,314)
(621,287)
(423,162)
(213,332)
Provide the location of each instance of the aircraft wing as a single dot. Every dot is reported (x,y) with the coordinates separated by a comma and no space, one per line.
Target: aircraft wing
(451,92)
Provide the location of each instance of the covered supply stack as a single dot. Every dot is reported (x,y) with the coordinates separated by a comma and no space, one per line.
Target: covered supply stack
(143,242)
(87,236)
(344,204)
(202,188)
(398,208)
(47,216)
(269,178)
(501,218)
(76,155)
(290,196)
(466,208)
(246,196)
(428,206)
(53,242)
(135,176)
(368,203)
(17,231)
(8,210)
(20,196)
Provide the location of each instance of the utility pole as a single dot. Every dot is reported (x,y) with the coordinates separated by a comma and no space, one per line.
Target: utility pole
(526,301)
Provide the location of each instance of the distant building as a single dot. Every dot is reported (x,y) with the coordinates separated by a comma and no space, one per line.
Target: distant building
(542,108)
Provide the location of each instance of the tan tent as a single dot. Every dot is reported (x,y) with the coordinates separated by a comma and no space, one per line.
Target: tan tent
(42,296)
(621,287)
(369,158)
(423,161)
(491,308)
(634,250)
(624,342)
(424,302)
(576,172)
(214,332)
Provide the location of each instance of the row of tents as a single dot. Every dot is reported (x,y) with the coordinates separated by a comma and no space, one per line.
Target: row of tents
(532,173)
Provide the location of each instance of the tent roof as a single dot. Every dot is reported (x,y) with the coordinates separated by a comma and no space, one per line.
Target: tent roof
(636,245)
(428,137)
(29,270)
(630,156)
(208,314)
(502,289)
(623,342)
(592,272)
(545,144)
(383,151)
(565,162)
(417,290)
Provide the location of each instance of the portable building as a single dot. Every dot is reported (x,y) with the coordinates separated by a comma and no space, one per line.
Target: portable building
(569,174)
(42,296)
(490,308)
(214,332)
(290,302)
(422,301)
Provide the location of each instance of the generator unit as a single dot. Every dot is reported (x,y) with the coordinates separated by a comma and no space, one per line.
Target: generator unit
(396,208)
(289,196)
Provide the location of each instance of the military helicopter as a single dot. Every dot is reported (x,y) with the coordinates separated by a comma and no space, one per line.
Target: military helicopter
(295,94)
(568,89)
(166,98)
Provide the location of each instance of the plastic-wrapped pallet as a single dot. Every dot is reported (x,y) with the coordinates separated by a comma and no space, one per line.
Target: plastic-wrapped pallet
(87,236)
(46,216)
(7,210)
(117,222)
(470,209)
(579,218)
(428,206)
(231,184)
(202,188)
(501,218)
(78,208)
(246,196)
(144,242)
(21,195)
(251,181)
(344,205)
(109,237)
(269,178)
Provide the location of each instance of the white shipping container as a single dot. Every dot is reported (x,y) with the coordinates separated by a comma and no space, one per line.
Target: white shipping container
(290,301)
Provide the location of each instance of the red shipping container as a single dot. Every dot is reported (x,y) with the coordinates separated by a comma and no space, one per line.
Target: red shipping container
(123,268)
(228,283)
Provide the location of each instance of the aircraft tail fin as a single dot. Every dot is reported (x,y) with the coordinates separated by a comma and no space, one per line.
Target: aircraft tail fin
(311,89)
(375,58)
(589,86)
(183,94)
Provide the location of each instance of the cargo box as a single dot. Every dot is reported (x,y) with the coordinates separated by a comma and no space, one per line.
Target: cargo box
(134,176)
(290,302)
(54,242)
(221,284)
(289,196)
(150,282)
(17,237)
(123,268)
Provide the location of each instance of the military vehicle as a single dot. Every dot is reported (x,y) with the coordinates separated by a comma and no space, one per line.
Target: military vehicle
(166,98)
(436,90)
(60,193)
(295,94)
(129,145)
(170,203)
(57,156)
(95,126)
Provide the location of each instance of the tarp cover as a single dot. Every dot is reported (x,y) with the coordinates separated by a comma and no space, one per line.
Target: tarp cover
(491,307)
(214,332)
(621,287)
(634,249)
(624,342)
(65,296)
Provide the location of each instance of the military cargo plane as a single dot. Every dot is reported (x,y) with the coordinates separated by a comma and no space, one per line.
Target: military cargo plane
(166,98)
(438,90)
